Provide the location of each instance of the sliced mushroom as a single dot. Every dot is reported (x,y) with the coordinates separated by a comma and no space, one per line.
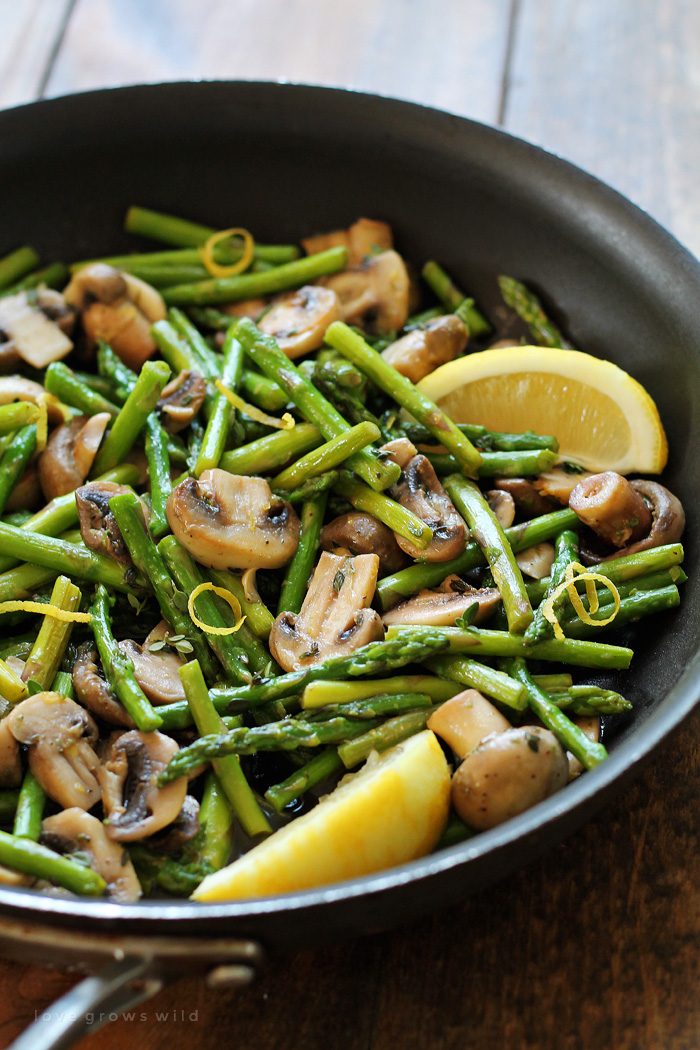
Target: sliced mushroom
(88,441)
(157,672)
(118,308)
(10,761)
(374,294)
(134,804)
(92,689)
(75,831)
(421,351)
(359,533)
(60,736)
(335,618)
(503,506)
(419,491)
(506,774)
(182,830)
(536,561)
(38,340)
(559,482)
(364,237)
(17,388)
(401,450)
(27,493)
(98,526)
(444,606)
(252,308)
(609,505)
(590,726)
(60,469)
(667,522)
(181,400)
(528,500)
(465,720)
(230,522)
(8,877)
(53,304)
(298,320)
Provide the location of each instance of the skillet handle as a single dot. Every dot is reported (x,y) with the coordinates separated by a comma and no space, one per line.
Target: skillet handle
(87,1006)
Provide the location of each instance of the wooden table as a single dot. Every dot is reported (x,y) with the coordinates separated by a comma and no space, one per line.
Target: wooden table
(596,946)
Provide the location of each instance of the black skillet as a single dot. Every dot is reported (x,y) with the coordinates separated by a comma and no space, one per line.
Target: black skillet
(286,160)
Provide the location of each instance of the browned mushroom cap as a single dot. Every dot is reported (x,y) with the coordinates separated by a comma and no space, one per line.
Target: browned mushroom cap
(364,237)
(374,294)
(59,734)
(536,561)
(60,469)
(75,831)
(421,351)
(419,490)
(444,606)
(134,804)
(17,388)
(465,719)
(10,761)
(503,506)
(506,774)
(298,320)
(334,619)
(230,522)
(527,499)
(157,672)
(30,332)
(98,526)
(181,400)
(118,308)
(667,522)
(182,830)
(92,689)
(360,533)
(609,505)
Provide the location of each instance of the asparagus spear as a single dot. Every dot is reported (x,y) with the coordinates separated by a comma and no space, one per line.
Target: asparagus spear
(134,413)
(30,808)
(327,456)
(55,275)
(216,434)
(528,307)
(324,693)
(378,706)
(249,285)
(312,488)
(453,299)
(402,390)
(403,584)
(488,440)
(17,264)
(158,459)
(65,384)
(209,363)
(476,675)
(488,533)
(118,666)
(263,350)
(382,737)
(321,767)
(300,568)
(480,643)
(262,391)
(17,414)
(53,637)
(14,460)
(397,517)
(566,553)
(589,700)
(272,451)
(258,616)
(8,804)
(589,753)
(216,819)
(128,513)
(21,854)
(12,688)
(632,608)
(227,766)
(500,464)
(172,230)
(373,659)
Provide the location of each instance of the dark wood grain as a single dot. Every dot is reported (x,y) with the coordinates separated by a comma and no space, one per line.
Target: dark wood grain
(614,88)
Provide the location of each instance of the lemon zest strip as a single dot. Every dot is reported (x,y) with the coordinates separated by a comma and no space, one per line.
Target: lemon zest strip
(214,268)
(574,572)
(229,598)
(46,609)
(285,423)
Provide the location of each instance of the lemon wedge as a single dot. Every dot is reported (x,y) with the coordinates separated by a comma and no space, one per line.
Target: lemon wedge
(602,417)
(392,811)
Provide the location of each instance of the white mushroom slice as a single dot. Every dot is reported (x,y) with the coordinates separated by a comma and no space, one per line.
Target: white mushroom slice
(88,440)
(359,533)
(419,490)
(134,804)
(156,672)
(401,450)
(230,522)
(364,237)
(559,483)
(181,400)
(375,294)
(75,831)
(465,720)
(98,526)
(10,761)
(443,607)
(536,561)
(92,689)
(17,388)
(506,774)
(59,734)
(298,320)
(8,877)
(60,471)
(503,506)
(37,340)
(335,618)
(420,352)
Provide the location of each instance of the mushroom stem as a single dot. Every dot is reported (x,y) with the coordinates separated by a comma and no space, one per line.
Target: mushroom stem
(118,667)
(228,769)
(134,413)
(611,507)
